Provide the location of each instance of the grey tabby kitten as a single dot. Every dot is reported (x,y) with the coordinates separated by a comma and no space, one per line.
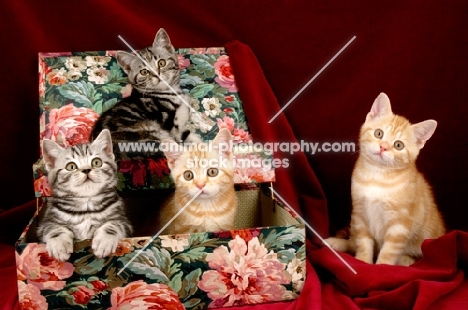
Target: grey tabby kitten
(153,111)
(84,203)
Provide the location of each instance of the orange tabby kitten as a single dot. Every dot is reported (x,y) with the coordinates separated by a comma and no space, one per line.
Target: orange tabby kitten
(201,169)
(393,205)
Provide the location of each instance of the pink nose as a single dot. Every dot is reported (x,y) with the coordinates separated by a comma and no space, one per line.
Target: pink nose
(383,147)
(200,185)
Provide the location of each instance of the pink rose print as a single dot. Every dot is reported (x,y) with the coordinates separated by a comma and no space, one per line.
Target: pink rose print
(256,170)
(70,125)
(245,274)
(30,297)
(126,91)
(83,295)
(229,98)
(38,268)
(141,295)
(99,286)
(124,247)
(227,122)
(43,71)
(240,135)
(225,77)
(42,187)
(183,62)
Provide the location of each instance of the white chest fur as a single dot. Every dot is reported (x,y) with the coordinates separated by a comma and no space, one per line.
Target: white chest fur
(86,222)
(374,195)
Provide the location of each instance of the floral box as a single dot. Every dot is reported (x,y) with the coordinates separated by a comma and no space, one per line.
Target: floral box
(200,270)
(74,88)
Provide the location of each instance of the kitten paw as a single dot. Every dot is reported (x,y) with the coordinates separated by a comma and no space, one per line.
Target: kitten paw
(338,244)
(406,260)
(387,259)
(60,248)
(366,258)
(104,245)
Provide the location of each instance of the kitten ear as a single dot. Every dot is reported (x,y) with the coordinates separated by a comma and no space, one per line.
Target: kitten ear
(380,107)
(104,143)
(423,131)
(125,60)
(162,40)
(51,151)
(223,143)
(172,150)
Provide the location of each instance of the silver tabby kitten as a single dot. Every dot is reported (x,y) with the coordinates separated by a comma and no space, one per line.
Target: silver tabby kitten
(153,111)
(84,203)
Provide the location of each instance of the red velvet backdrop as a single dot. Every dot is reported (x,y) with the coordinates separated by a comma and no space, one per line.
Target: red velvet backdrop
(415,52)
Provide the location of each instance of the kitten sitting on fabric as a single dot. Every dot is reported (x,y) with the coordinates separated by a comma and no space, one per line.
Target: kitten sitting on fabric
(211,171)
(84,202)
(393,205)
(153,111)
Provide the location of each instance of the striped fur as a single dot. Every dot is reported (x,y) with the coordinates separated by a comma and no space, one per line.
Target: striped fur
(85,204)
(152,111)
(214,209)
(393,205)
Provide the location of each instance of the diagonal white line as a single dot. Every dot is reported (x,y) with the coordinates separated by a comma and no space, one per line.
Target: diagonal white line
(308,83)
(313,230)
(164,81)
(159,232)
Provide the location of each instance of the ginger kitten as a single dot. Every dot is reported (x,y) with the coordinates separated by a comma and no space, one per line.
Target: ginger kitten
(393,205)
(203,169)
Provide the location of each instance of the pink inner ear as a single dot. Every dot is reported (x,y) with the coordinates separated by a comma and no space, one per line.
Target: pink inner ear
(172,152)
(424,131)
(380,107)
(224,139)
(50,153)
(171,163)
(370,116)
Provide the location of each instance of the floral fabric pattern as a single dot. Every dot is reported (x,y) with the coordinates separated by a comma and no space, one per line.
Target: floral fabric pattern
(30,297)
(75,88)
(68,125)
(196,271)
(91,80)
(247,274)
(140,295)
(36,267)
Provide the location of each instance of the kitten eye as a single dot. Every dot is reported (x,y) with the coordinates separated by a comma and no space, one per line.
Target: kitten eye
(188,175)
(161,63)
(399,145)
(96,163)
(212,172)
(71,166)
(144,72)
(378,133)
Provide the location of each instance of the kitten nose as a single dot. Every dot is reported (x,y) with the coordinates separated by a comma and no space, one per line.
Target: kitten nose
(200,184)
(86,171)
(383,147)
